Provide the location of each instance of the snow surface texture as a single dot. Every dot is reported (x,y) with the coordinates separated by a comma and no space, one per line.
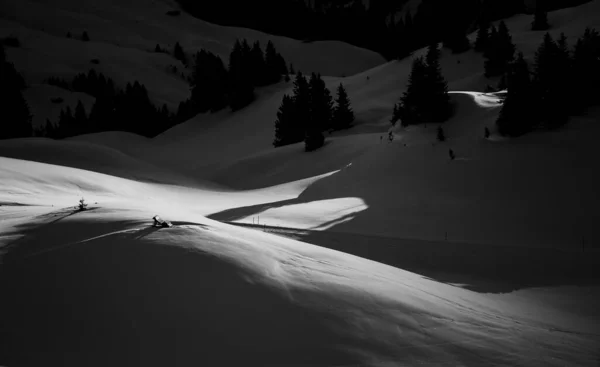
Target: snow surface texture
(368,253)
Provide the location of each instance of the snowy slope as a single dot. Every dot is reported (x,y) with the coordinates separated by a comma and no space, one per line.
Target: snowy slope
(206,292)
(123,36)
(102,287)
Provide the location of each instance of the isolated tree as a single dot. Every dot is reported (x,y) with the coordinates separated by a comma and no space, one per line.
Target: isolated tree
(486,133)
(157,48)
(343,115)
(321,103)
(413,101)
(540,18)
(439,109)
(586,70)
(85,37)
(273,64)
(451,154)
(286,124)
(80,119)
(179,54)
(440,134)
(302,99)
(482,39)
(240,86)
(517,115)
(15,110)
(499,52)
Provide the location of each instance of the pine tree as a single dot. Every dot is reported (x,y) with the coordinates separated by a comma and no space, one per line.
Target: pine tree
(517,115)
(14,107)
(482,39)
(285,125)
(258,65)
(486,133)
(413,101)
(157,48)
(499,52)
(440,134)
(85,37)
(272,63)
(302,100)
(439,108)
(80,119)
(540,18)
(241,89)
(179,54)
(343,116)
(321,103)
(586,69)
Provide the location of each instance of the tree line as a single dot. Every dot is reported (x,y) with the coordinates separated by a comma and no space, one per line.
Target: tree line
(310,111)
(16,116)
(114,109)
(213,88)
(380,30)
(562,82)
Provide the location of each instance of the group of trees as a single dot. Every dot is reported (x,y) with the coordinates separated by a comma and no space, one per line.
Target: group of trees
(497,47)
(215,86)
(380,29)
(114,109)
(563,82)
(13,106)
(426,97)
(311,111)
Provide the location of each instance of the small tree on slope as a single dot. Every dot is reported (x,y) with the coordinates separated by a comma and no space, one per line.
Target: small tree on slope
(516,117)
(540,18)
(343,116)
(285,124)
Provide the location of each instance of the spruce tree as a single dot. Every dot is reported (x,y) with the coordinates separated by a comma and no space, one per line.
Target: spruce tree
(85,37)
(413,101)
(321,103)
(343,116)
(517,115)
(285,125)
(80,119)
(272,63)
(179,54)
(15,110)
(586,69)
(482,37)
(258,65)
(499,52)
(540,18)
(440,134)
(241,90)
(439,108)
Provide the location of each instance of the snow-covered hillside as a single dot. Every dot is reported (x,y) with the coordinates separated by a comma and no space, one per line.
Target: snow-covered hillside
(363,252)
(123,36)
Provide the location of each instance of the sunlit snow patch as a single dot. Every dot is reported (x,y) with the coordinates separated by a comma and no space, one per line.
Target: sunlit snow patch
(315,215)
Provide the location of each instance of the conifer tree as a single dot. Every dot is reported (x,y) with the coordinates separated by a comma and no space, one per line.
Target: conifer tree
(482,37)
(80,119)
(516,117)
(586,69)
(436,88)
(179,54)
(285,125)
(440,134)
(241,89)
(16,116)
(540,18)
(85,37)
(321,103)
(499,52)
(272,63)
(258,65)
(302,100)
(413,101)
(343,116)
